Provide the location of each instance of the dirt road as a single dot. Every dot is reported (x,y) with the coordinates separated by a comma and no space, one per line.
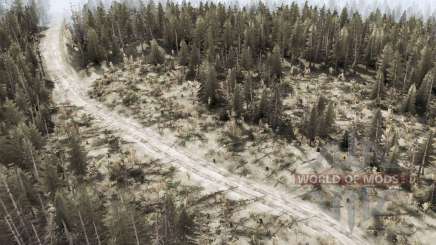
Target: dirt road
(70,87)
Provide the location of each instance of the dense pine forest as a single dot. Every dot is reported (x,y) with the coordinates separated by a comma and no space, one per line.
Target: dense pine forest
(245,48)
(46,193)
(25,113)
(239,57)
(65,179)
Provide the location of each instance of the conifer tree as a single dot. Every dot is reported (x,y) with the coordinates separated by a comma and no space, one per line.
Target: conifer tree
(247,58)
(238,103)
(211,55)
(345,141)
(167,225)
(378,89)
(425,63)
(228,35)
(116,55)
(385,58)
(248,90)
(322,104)
(195,59)
(311,127)
(64,218)
(276,107)
(425,155)
(395,70)
(186,228)
(231,80)
(274,62)
(375,131)
(93,50)
(156,56)
(394,155)
(183,54)
(409,102)
(124,223)
(10,114)
(209,88)
(328,121)
(424,94)
(263,105)
(77,157)
(50,181)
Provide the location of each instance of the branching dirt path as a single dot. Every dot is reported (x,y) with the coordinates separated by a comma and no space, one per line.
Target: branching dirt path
(70,87)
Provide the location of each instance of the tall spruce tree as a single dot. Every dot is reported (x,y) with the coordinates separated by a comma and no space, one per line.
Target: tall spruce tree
(275,63)
(425,63)
(424,94)
(409,102)
(195,59)
(156,56)
(209,87)
(77,157)
(238,102)
(311,125)
(375,131)
(378,90)
(93,50)
(328,122)
(248,90)
(183,54)
(425,155)
(247,58)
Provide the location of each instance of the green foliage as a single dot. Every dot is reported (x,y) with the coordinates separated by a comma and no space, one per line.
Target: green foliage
(195,59)
(176,225)
(249,89)
(345,142)
(25,119)
(156,55)
(77,156)
(183,54)
(116,54)
(321,119)
(231,81)
(63,207)
(311,127)
(275,108)
(10,115)
(275,63)
(257,40)
(375,131)
(20,146)
(50,176)
(322,104)
(328,121)
(130,98)
(93,48)
(209,89)
(186,227)
(396,70)
(125,223)
(379,87)
(238,103)
(425,154)
(247,59)
(424,94)
(425,63)
(409,103)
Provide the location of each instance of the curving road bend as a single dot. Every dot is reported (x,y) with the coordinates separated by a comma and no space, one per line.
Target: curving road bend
(70,87)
